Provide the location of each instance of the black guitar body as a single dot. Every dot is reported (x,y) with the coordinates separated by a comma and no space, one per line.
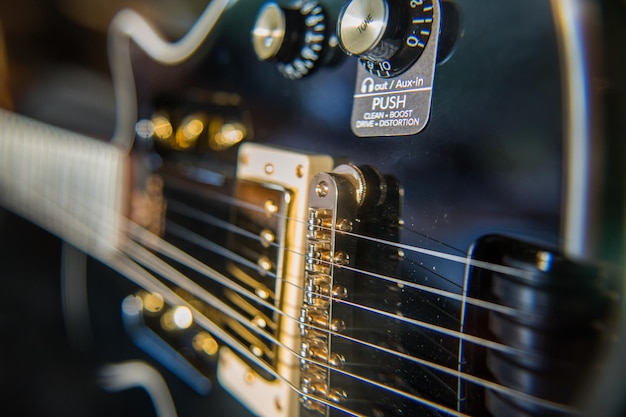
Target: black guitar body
(484,181)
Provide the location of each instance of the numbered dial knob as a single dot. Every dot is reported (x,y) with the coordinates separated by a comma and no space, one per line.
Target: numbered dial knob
(293,38)
(387,35)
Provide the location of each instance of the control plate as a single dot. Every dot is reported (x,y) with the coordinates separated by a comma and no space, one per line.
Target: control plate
(400,105)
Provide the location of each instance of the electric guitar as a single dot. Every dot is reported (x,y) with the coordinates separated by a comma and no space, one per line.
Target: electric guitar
(314,208)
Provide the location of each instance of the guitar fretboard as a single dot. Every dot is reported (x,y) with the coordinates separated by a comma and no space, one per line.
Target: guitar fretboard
(72,185)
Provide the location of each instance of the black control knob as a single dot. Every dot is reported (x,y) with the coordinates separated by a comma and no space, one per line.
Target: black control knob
(294,38)
(387,36)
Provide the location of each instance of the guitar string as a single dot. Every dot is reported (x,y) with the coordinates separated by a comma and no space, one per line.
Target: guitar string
(273,308)
(170,251)
(463,260)
(235,287)
(453,372)
(165,270)
(74,223)
(215,196)
(487,305)
(487,384)
(83,204)
(132,271)
(184,209)
(135,273)
(235,229)
(428,326)
(78,232)
(207,244)
(255,298)
(209,219)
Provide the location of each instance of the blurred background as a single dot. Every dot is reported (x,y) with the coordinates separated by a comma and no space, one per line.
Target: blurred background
(54,68)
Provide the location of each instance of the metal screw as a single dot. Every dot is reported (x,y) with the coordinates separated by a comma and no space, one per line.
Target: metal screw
(322,189)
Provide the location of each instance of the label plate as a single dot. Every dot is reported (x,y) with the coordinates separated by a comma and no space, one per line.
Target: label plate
(397,106)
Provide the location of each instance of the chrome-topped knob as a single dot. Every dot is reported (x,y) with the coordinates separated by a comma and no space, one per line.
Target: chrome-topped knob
(387,36)
(268,34)
(362,26)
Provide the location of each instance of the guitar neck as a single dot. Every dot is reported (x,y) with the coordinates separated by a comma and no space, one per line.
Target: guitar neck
(69,184)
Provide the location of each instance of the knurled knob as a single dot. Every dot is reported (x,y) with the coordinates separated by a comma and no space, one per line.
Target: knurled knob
(293,38)
(388,36)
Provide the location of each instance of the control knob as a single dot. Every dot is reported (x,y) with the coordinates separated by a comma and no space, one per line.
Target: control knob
(295,38)
(387,36)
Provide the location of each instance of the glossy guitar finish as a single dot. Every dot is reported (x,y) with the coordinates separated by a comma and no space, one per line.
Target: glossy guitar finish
(490,162)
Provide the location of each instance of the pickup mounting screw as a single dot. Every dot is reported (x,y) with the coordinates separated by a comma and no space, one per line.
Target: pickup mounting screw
(322,189)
